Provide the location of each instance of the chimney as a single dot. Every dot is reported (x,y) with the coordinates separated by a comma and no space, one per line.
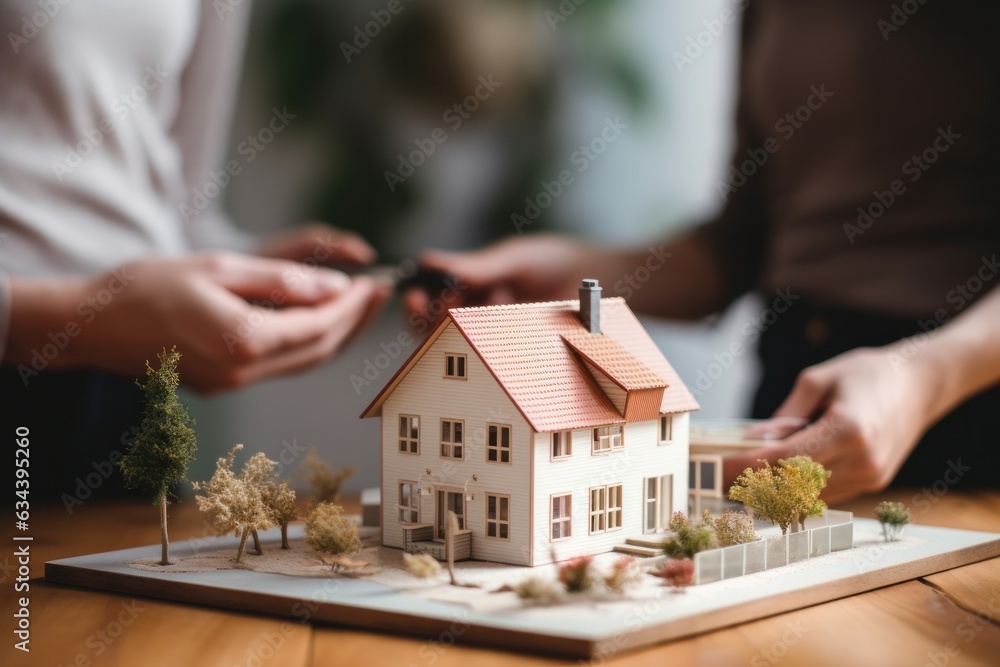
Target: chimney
(590,305)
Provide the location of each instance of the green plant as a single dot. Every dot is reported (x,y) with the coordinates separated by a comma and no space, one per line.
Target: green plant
(331,533)
(893,516)
(813,480)
(689,538)
(732,528)
(158,456)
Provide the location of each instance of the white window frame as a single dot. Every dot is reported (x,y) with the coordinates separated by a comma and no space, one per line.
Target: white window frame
(694,481)
(449,446)
(608,439)
(456,366)
(666,429)
(564,441)
(606,517)
(565,520)
(413,508)
(408,444)
(498,447)
(497,520)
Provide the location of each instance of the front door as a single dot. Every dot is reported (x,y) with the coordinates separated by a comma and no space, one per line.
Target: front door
(659,493)
(447,501)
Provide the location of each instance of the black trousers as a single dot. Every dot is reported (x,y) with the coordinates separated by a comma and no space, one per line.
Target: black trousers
(963,449)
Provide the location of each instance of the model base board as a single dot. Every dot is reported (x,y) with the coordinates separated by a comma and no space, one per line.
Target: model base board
(583,627)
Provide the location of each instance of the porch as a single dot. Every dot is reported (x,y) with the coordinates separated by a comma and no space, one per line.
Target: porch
(418,538)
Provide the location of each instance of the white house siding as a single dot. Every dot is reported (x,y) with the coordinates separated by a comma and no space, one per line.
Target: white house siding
(477,400)
(641,457)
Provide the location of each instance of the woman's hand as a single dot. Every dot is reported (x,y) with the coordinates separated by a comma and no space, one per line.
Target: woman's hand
(235,318)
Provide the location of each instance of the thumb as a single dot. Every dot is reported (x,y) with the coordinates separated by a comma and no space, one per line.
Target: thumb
(809,394)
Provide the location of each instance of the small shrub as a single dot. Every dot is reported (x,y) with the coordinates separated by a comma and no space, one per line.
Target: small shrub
(624,574)
(892,516)
(577,575)
(535,589)
(689,538)
(421,566)
(329,532)
(734,528)
(676,572)
(326,481)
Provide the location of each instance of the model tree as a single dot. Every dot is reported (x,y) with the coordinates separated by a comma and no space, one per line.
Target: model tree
(281,499)
(158,456)
(784,495)
(813,480)
(235,503)
(324,479)
(768,493)
(330,533)
(892,516)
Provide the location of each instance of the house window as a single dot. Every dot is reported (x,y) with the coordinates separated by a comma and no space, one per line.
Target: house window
(562,444)
(497,443)
(454,366)
(409,434)
(704,476)
(562,517)
(452,438)
(409,502)
(498,516)
(605,508)
(607,438)
(666,429)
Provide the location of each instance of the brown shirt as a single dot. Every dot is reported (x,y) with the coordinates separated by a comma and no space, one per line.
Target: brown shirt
(867,168)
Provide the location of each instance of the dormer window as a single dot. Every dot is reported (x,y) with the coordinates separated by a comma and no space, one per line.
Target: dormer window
(454,366)
(607,438)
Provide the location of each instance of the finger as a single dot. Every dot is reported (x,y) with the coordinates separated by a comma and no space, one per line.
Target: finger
(479,269)
(281,282)
(347,313)
(415,302)
(812,389)
(818,441)
(348,247)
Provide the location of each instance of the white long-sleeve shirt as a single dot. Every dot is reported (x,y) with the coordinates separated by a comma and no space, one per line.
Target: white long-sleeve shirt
(112,114)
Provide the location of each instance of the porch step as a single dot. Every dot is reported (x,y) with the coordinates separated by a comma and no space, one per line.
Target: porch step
(635,550)
(651,542)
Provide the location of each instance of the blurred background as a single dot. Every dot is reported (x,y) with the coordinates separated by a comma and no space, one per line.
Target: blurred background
(360,104)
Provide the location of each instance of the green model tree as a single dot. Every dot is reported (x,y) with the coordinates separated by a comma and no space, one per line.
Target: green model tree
(159,454)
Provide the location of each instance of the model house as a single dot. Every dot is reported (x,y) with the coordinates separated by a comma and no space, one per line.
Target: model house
(548,428)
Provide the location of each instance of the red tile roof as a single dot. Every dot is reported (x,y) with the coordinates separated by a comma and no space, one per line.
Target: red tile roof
(527,348)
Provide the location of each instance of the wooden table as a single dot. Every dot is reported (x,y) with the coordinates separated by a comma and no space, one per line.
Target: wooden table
(914,623)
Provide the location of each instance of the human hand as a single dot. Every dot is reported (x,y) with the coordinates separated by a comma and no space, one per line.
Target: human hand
(516,270)
(236,318)
(317,244)
(868,409)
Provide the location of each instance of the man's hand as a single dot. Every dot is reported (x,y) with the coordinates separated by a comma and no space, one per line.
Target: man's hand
(516,270)
(237,319)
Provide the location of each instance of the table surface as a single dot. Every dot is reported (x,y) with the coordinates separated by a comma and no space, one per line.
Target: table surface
(951,618)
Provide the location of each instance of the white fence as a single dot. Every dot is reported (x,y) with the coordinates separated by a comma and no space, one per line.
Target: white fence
(833,531)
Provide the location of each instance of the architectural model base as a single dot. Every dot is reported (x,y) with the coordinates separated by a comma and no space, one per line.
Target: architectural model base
(581,627)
